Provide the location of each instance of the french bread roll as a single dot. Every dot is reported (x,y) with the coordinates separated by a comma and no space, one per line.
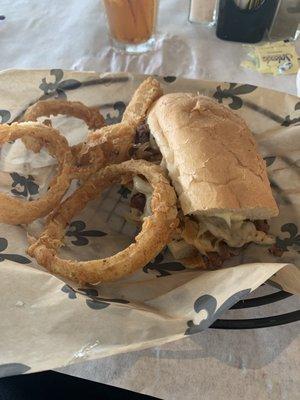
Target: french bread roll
(211,157)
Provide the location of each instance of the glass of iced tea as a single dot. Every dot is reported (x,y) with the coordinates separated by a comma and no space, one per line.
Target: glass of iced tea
(132,24)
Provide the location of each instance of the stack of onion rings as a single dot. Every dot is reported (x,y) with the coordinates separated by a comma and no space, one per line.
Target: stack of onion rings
(97,163)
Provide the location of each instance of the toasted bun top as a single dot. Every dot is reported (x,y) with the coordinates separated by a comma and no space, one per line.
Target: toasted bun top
(211,157)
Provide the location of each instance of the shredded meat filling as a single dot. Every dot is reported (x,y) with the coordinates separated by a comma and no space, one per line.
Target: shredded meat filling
(215,260)
(138,201)
(142,134)
(262,225)
(142,147)
(276,251)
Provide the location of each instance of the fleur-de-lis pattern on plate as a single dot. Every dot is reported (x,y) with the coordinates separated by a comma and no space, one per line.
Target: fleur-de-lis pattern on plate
(233,92)
(293,241)
(59,87)
(77,229)
(292,121)
(208,304)
(162,268)
(11,257)
(94,301)
(69,291)
(28,185)
(170,78)
(4,116)
(119,107)
(13,369)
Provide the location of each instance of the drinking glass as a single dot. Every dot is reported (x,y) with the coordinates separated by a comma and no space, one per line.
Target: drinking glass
(132,24)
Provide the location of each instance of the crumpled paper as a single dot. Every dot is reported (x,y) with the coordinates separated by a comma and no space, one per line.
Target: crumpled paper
(45,323)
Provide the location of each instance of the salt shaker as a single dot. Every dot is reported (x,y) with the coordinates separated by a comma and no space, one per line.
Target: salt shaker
(203,12)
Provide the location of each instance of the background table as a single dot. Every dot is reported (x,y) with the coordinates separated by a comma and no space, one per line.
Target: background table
(71,34)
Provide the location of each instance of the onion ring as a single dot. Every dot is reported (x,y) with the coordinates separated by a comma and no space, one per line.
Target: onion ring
(45,108)
(112,144)
(143,98)
(15,211)
(156,232)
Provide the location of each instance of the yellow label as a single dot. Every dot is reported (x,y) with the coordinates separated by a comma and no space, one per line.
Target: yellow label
(278,58)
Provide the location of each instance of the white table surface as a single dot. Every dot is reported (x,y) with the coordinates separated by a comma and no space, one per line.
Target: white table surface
(71,34)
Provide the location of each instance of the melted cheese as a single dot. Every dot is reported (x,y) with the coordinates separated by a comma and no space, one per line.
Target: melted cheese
(142,186)
(228,217)
(237,234)
(180,249)
(196,235)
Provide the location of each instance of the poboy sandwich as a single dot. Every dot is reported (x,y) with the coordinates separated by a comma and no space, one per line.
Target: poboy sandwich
(220,178)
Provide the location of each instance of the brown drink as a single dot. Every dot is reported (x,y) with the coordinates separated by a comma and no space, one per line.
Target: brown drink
(131,22)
